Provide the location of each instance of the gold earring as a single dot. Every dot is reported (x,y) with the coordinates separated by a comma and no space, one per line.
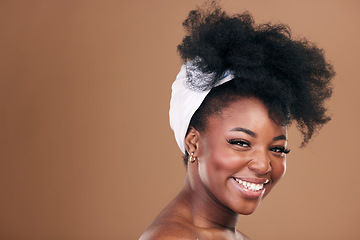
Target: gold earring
(192,158)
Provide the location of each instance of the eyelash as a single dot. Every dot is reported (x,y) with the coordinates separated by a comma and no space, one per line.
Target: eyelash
(280,149)
(241,143)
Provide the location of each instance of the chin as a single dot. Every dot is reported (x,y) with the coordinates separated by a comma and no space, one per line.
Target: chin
(248,211)
(247,208)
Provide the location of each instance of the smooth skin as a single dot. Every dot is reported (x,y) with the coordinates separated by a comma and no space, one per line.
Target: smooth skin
(242,142)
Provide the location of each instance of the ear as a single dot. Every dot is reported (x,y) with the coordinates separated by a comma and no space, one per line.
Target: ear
(192,140)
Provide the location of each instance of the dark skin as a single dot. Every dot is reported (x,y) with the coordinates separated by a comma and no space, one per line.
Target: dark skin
(239,146)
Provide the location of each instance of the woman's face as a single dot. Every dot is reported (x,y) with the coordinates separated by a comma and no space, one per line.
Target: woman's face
(241,155)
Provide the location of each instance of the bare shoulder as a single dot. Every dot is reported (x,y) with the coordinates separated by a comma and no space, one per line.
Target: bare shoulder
(243,236)
(169,230)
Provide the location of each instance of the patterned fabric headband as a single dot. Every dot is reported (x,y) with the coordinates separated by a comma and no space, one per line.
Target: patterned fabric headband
(185,100)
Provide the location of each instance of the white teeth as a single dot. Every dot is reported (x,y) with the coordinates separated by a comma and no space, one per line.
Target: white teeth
(250,186)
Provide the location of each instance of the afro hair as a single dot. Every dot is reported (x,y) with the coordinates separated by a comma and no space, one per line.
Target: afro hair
(292,77)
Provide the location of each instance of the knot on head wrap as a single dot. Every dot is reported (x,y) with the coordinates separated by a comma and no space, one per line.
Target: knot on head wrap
(185,100)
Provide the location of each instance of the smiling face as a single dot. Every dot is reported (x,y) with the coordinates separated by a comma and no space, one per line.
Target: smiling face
(241,155)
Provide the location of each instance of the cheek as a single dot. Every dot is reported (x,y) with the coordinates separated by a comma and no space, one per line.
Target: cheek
(218,155)
(222,163)
(278,170)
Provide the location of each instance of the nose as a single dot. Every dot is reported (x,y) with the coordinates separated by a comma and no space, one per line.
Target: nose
(260,163)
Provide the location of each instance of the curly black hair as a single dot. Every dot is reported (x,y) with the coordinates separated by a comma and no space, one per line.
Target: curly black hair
(292,77)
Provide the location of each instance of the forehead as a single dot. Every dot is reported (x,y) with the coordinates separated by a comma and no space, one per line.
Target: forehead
(245,112)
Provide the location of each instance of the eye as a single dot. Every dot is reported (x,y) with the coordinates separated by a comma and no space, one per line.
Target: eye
(280,150)
(240,142)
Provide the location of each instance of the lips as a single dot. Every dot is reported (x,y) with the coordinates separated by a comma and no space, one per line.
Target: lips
(251,188)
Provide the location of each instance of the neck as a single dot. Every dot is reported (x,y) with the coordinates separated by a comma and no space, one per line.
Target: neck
(205,209)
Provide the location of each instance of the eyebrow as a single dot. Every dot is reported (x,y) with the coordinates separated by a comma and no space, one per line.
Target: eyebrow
(245,130)
(252,134)
(281,137)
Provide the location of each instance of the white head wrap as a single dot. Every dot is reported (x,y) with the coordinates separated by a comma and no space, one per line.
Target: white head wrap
(185,100)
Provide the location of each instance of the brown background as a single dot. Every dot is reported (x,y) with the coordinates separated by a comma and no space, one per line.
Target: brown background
(86,151)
